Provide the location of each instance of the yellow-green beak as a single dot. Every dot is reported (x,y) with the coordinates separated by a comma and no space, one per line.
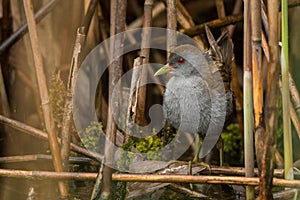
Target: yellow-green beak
(165,69)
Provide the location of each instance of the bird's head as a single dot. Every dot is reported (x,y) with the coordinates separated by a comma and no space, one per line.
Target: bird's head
(185,60)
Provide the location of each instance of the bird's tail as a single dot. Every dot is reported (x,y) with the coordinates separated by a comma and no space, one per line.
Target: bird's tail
(221,52)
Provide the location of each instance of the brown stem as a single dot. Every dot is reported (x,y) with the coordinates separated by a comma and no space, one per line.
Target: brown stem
(171,24)
(232,19)
(118,21)
(257,61)
(42,84)
(67,116)
(186,21)
(295,119)
(43,157)
(158,8)
(294,94)
(3,96)
(233,180)
(145,53)
(237,9)
(271,104)
(131,110)
(43,135)
(18,34)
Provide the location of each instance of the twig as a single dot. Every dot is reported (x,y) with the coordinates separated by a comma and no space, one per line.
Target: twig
(118,21)
(157,9)
(4,108)
(187,191)
(286,194)
(213,24)
(220,8)
(89,15)
(36,157)
(295,119)
(3,96)
(257,61)
(294,94)
(271,104)
(265,46)
(235,82)
(237,9)
(67,116)
(131,110)
(97,188)
(43,135)
(293,3)
(18,34)
(102,26)
(186,21)
(145,53)
(171,24)
(42,84)
(234,180)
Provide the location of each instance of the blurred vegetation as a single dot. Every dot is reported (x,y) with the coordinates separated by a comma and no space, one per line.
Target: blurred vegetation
(233,145)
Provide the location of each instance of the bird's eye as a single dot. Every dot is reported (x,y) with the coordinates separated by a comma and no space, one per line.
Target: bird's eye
(181,60)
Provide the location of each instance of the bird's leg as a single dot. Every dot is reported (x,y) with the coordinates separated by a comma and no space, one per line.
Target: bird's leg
(198,144)
(220,146)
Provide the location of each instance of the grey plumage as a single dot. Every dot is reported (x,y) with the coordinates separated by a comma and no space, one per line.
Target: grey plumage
(199,91)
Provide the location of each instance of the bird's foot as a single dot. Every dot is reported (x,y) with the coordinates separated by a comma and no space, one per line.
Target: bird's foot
(196,161)
(176,162)
(190,165)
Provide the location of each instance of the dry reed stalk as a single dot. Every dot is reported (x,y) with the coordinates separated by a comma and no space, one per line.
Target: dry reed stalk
(117,25)
(158,8)
(186,21)
(233,180)
(237,9)
(44,157)
(67,115)
(271,104)
(217,23)
(285,93)
(257,62)
(234,82)
(43,135)
(20,32)
(42,85)
(295,119)
(139,116)
(3,96)
(248,100)
(131,110)
(263,152)
(294,94)
(171,24)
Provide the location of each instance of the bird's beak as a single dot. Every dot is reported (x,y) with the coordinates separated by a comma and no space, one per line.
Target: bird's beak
(165,69)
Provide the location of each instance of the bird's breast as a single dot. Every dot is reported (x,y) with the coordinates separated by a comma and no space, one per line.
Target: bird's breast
(187,104)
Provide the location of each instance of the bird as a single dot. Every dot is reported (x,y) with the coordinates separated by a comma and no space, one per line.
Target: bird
(188,103)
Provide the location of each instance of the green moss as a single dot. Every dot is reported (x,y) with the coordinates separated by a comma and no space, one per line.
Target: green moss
(91,136)
(57,94)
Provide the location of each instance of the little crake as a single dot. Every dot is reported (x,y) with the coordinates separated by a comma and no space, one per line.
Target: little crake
(187,102)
